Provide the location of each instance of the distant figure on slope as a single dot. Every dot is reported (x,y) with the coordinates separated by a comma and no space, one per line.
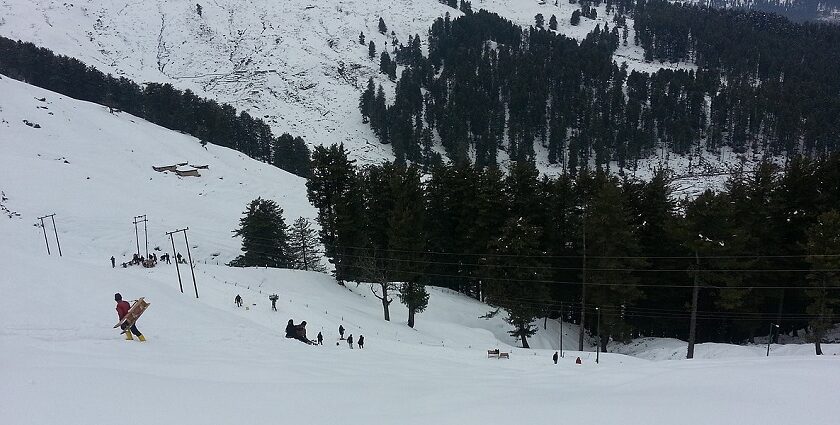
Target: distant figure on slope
(238,300)
(290,329)
(300,333)
(122,310)
(340,332)
(350,340)
(320,339)
(578,361)
(555,357)
(113,262)
(361,341)
(274,299)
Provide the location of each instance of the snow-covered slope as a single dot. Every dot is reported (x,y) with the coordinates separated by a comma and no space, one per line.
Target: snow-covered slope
(207,361)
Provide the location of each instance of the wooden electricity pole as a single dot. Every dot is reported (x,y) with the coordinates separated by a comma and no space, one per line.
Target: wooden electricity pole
(692,328)
(145,233)
(57,242)
(189,256)
(175,254)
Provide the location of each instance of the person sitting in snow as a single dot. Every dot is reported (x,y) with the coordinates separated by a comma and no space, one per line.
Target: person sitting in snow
(300,333)
(290,329)
(122,309)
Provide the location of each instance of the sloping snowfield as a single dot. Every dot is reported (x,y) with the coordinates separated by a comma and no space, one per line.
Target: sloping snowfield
(207,361)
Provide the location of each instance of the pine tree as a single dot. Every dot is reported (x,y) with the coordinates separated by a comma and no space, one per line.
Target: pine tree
(575,17)
(539,20)
(264,236)
(413,294)
(366,100)
(362,38)
(371,50)
(382,27)
(613,249)
(514,272)
(406,238)
(552,23)
(303,246)
(332,190)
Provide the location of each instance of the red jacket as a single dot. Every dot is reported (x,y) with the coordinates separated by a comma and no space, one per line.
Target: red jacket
(122,308)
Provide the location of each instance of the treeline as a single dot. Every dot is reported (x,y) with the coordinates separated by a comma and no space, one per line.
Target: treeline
(532,244)
(799,10)
(162,104)
(762,83)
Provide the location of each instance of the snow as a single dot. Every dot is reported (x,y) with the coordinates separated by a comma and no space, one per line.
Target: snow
(207,361)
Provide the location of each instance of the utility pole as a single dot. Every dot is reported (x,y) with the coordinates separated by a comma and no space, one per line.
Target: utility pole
(192,270)
(45,233)
(692,328)
(57,242)
(583,287)
(145,233)
(189,256)
(561,330)
(175,254)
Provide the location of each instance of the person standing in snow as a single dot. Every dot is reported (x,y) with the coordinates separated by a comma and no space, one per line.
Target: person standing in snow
(555,357)
(113,262)
(340,332)
(122,310)
(274,299)
(361,341)
(350,340)
(238,300)
(320,339)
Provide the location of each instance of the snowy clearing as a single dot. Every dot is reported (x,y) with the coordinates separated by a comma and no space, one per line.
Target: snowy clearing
(207,361)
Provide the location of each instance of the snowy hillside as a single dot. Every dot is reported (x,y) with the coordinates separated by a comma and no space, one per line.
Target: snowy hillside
(207,361)
(297,64)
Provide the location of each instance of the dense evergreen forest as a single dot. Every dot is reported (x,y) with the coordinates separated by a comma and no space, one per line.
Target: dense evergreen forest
(162,104)
(764,250)
(762,83)
(796,10)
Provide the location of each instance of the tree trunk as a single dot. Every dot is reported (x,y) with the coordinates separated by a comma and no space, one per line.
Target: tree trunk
(524,337)
(817,338)
(386,303)
(604,342)
(411,317)
(582,317)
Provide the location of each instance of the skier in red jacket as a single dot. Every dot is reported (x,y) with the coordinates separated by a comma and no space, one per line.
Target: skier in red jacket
(122,310)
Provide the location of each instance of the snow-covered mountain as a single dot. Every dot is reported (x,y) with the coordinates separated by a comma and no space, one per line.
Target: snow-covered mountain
(296,64)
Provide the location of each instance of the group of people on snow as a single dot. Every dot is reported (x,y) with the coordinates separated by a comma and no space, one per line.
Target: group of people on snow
(138,259)
(360,342)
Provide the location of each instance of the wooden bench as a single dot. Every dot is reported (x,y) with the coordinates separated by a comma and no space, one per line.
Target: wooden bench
(493,353)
